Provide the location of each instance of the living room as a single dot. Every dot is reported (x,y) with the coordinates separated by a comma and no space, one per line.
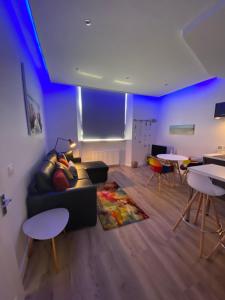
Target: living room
(169,59)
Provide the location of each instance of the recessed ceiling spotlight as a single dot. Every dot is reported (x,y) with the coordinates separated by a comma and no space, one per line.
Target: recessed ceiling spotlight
(87,22)
(123,82)
(166,84)
(86,74)
(127,78)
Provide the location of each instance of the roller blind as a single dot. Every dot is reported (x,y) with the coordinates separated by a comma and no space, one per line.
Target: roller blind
(103,114)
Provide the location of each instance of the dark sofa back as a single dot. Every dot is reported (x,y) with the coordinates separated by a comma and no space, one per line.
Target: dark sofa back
(44,175)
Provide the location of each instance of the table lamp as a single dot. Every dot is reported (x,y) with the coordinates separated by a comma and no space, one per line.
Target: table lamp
(71,143)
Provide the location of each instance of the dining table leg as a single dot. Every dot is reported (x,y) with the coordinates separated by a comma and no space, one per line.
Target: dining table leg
(178,168)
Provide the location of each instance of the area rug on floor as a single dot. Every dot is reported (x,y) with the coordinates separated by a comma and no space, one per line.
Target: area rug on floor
(116,208)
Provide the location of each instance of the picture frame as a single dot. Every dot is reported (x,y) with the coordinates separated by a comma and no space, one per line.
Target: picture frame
(32,108)
(182,129)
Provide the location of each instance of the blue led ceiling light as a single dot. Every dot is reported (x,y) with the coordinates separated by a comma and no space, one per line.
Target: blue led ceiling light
(35,33)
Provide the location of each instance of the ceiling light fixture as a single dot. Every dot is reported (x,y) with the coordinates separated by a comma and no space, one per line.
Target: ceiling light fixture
(91,75)
(123,82)
(87,22)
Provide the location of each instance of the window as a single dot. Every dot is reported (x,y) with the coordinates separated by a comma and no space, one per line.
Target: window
(102,114)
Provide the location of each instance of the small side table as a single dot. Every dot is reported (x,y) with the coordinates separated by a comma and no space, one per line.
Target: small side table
(47,225)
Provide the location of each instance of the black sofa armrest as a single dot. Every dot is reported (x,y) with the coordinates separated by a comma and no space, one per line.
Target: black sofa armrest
(81,203)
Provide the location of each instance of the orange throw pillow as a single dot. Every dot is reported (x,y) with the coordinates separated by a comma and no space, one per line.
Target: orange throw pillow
(64,162)
(66,170)
(60,181)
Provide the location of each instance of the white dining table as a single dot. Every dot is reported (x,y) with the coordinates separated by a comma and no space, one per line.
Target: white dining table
(210,170)
(174,159)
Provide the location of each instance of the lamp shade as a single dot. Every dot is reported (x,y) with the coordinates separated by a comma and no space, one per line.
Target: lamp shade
(72,144)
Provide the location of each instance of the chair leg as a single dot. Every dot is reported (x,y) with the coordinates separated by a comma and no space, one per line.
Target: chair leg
(185,210)
(151,177)
(184,176)
(216,248)
(216,214)
(187,216)
(159,182)
(202,233)
(199,207)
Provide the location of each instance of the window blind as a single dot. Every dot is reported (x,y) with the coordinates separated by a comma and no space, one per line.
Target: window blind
(103,114)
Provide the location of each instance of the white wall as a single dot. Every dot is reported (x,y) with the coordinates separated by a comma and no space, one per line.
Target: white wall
(61,108)
(16,146)
(147,108)
(144,108)
(60,115)
(193,105)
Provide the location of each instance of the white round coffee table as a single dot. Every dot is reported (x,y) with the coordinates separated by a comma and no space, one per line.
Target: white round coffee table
(174,159)
(46,225)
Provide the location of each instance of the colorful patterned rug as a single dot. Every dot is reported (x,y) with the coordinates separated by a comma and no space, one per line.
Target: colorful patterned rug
(115,208)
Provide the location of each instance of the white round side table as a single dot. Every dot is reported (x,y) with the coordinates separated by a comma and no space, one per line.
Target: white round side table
(46,225)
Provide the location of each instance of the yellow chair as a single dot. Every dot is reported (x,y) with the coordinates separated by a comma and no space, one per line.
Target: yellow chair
(186,164)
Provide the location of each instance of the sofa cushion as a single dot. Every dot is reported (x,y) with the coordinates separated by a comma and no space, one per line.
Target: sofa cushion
(44,177)
(80,183)
(67,172)
(82,174)
(73,169)
(79,165)
(64,162)
(60,181)
(51,156)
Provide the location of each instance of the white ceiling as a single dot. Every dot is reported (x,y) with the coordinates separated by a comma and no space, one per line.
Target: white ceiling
(207,39)
(142,39)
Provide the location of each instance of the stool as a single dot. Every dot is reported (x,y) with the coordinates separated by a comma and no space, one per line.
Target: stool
(204,188)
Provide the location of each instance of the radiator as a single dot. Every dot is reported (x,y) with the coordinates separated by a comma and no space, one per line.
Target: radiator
(110,157)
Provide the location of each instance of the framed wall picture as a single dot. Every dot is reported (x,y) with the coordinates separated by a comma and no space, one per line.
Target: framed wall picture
(32,107)
(182,129)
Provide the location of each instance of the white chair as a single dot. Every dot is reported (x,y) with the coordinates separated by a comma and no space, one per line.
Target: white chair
(204,188)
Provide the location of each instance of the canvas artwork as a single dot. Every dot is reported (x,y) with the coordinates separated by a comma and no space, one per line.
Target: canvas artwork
(182,129)
(33,116)
(33,112)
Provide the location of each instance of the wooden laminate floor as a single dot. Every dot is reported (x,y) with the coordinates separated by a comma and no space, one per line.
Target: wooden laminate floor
(140,261)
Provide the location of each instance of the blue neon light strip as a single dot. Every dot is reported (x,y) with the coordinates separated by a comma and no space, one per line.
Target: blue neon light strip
(35,33)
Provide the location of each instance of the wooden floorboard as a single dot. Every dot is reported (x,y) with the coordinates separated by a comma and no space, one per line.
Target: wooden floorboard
(144,260)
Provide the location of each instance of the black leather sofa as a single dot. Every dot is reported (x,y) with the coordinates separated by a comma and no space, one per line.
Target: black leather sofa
(80,199)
